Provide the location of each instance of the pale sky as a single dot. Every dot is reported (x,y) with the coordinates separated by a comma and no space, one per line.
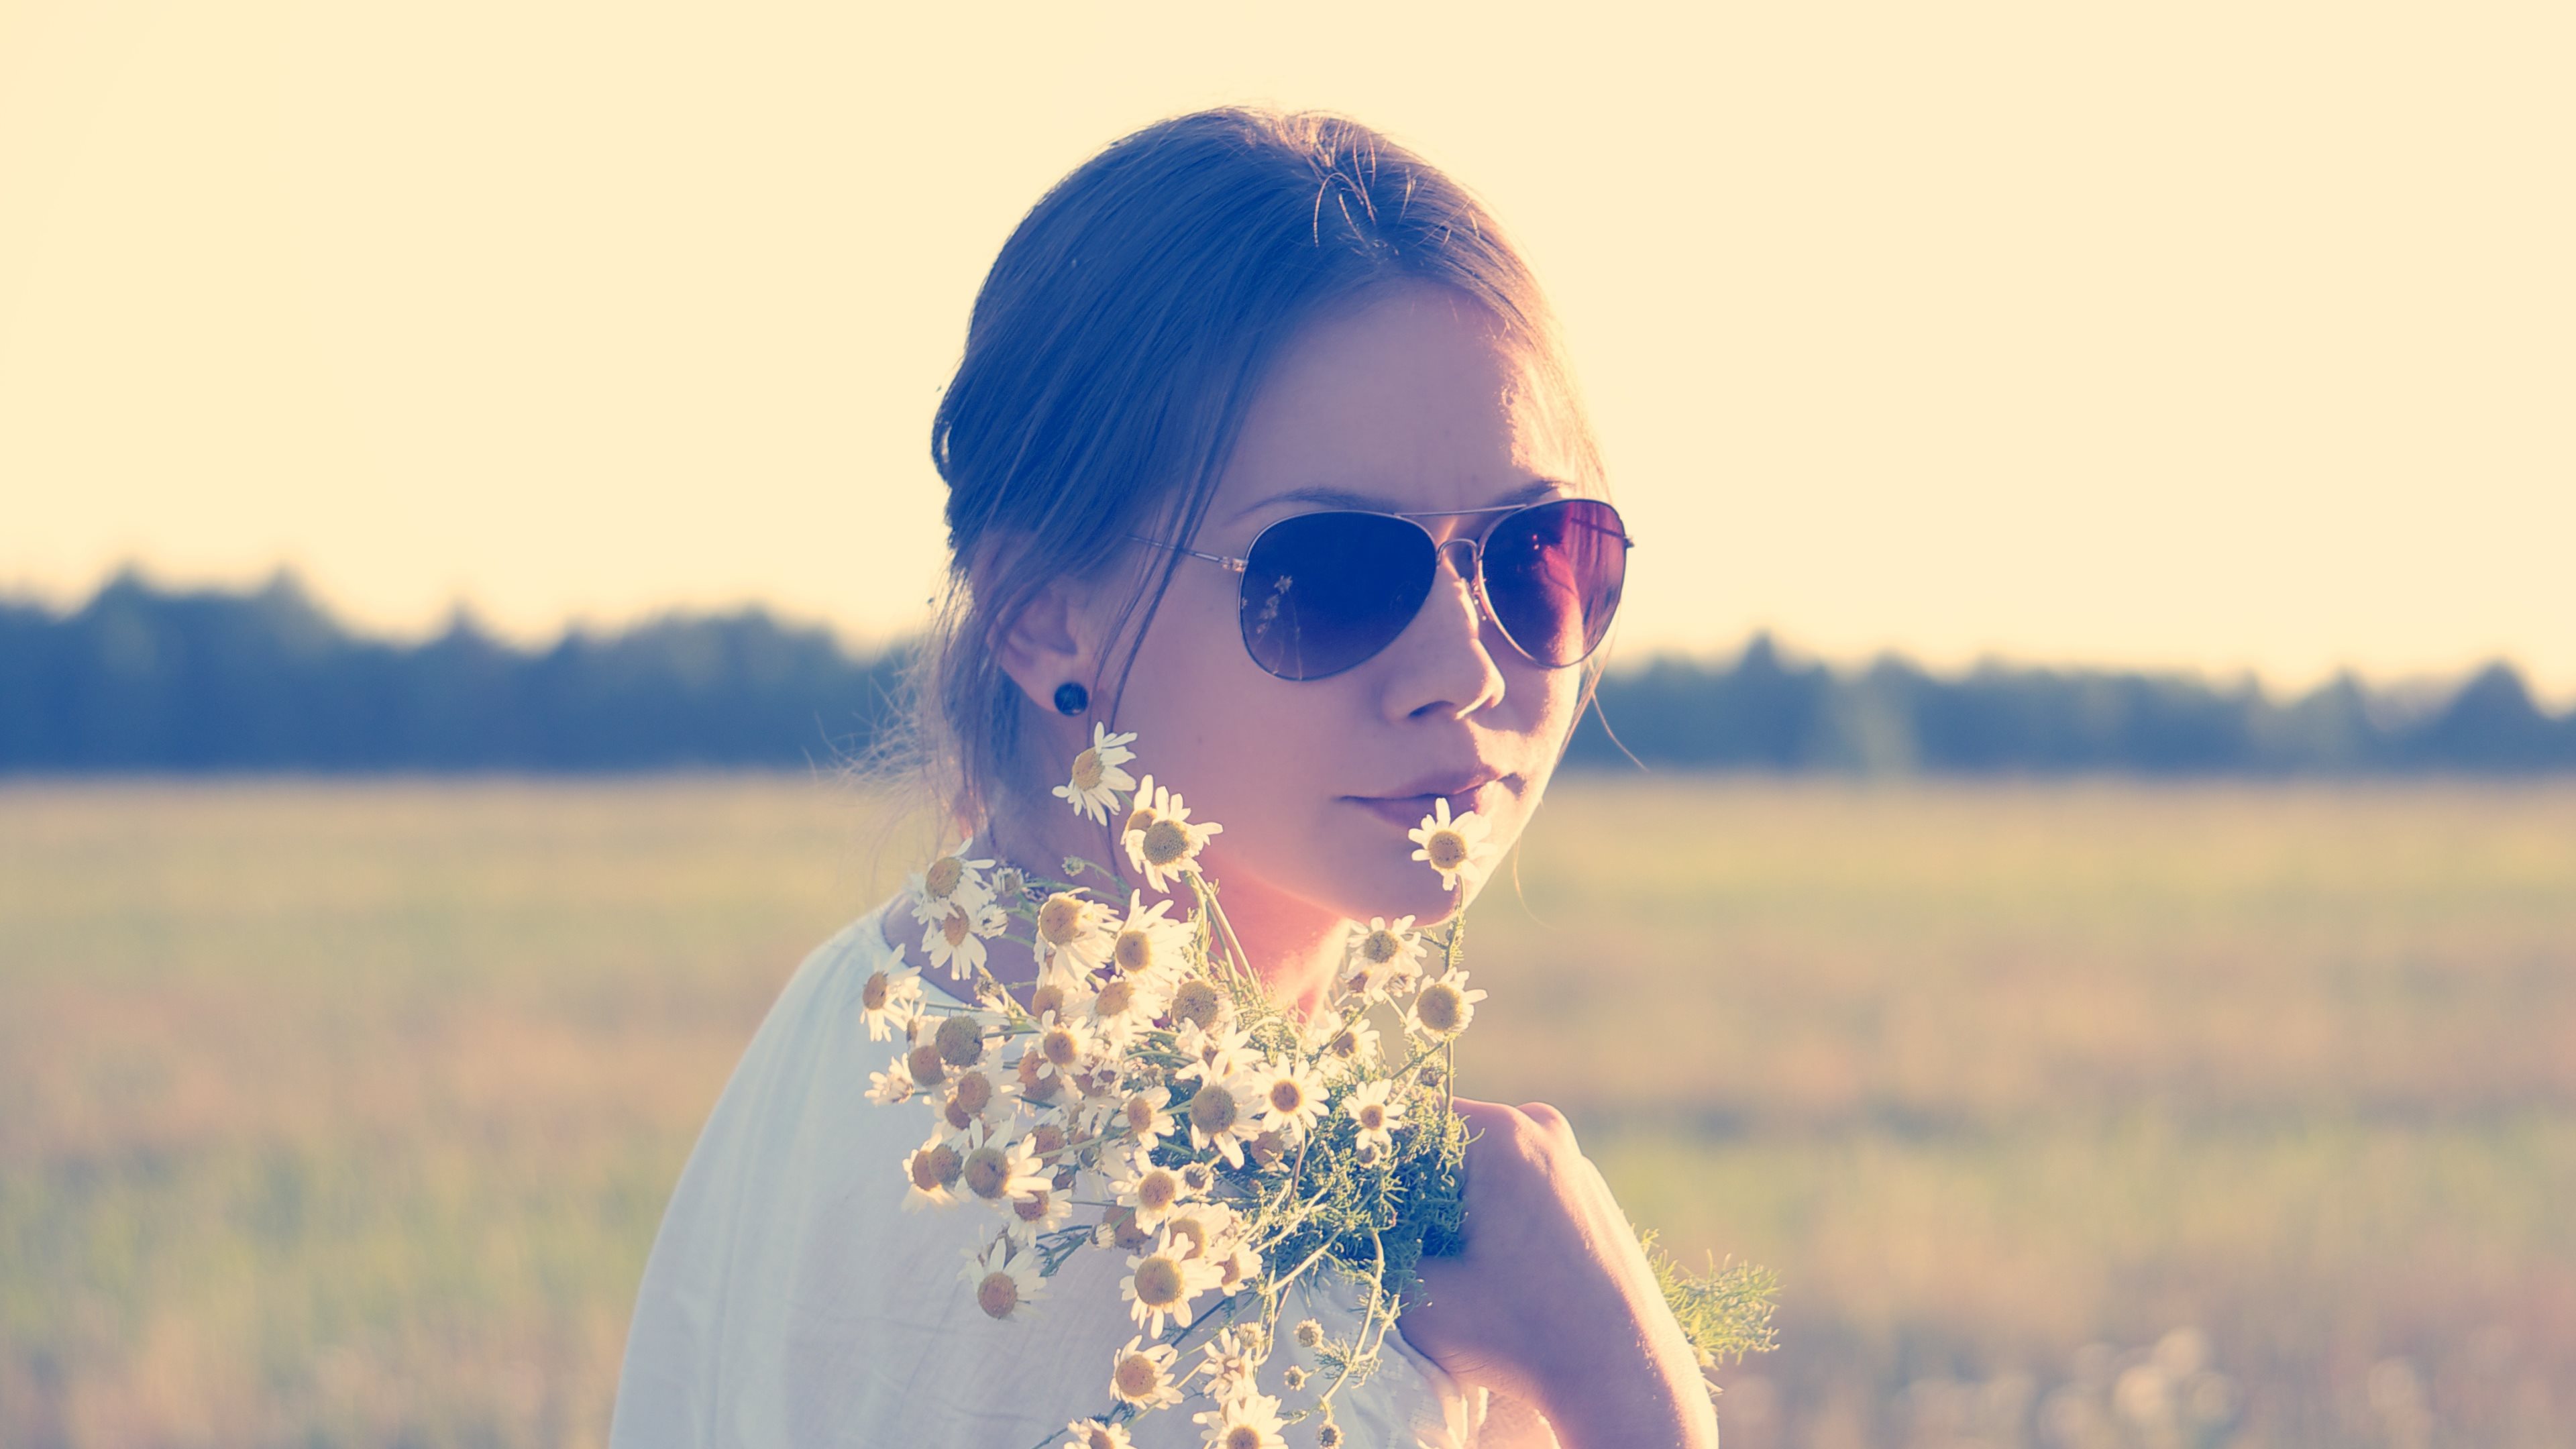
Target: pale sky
(2225,336)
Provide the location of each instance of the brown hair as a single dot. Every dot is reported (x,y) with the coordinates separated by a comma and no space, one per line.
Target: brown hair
(1112,352)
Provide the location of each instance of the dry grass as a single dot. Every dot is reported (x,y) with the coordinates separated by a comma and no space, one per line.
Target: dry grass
(343,1113)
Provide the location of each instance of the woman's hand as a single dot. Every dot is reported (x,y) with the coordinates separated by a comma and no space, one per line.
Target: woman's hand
(1553,1302)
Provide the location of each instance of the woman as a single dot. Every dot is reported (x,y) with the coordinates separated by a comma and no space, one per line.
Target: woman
(1199,379)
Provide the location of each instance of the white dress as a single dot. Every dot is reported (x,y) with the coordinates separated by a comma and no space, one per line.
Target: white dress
(790,1300)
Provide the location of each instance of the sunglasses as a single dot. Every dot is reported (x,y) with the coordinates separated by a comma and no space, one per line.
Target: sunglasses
(1324,592)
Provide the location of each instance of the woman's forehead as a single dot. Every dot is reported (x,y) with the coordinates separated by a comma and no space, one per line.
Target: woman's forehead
(1420,400)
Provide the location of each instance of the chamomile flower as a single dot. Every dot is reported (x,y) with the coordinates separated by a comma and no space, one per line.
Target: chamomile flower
(1227,1363)
(1223,1117)
(1150,1191)
(1247,1421)
(1148,943)
(951,881)
(888,998)
(1160,1284)
(1204,1231)
(1237,1267)
(1097,778)
(1443,1007)
(1384,957)
(955,938)
(1340,1047)
(1376,1117)
(892,1085)
(1145,1119)
(978,1094)
(1140,818)
(1005,1286)
(1095,1434)
(1168,847)
(1037,1214)
(1213,1055)
(931,1170)
(1449,846)
(1073,933)
(1291,1100)
(995,1170)
(1200,1002)
(1065,1044)
(1124,1005)
(1142,1375)
(1010,885)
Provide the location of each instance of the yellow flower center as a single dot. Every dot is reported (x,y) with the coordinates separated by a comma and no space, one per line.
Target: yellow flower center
(1190,1228)
(1197,1001)
(1447,849)
(1165,844)
(1060,1047)
(935,1167)
(1242,1436)
(1060,919)
(1049,997)
(1286,1095)
(873,995)
(998,1294)
(1212,1110)
(1114,999)
(1381,946)
(1159,1188)
(925,1064)
(1138,1376)
(986,1170)
(1141,818)
(1197,1176)
(945,875)
(1158,1282)
(955,928)
(960,1041)
(974,1091)
(1372,1116)
(955,1114)
(1087,771)
(1140,1113)
(1135,949)
(1439,1007)
(1035,1084)
(1034,1208)
(1010,880)
(1046,1137)
(1345,1044)
(1095,1437)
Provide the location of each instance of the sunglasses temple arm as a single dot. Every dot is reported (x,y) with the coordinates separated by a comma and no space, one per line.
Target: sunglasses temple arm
(1230,565)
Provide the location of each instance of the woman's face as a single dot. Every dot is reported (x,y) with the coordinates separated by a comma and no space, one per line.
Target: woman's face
(1416,402)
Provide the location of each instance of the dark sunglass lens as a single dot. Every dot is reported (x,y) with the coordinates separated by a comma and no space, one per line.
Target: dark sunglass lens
(1552,574)
(1324,591)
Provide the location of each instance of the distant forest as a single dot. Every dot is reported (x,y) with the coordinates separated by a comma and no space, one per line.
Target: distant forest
(148,680)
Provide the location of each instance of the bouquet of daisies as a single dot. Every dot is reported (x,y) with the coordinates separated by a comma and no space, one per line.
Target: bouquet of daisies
(1147,1098)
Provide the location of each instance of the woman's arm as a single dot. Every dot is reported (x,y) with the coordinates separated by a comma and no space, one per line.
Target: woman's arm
(1553,1302)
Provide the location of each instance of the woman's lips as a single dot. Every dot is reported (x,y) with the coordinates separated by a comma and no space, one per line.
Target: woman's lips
(1405,812)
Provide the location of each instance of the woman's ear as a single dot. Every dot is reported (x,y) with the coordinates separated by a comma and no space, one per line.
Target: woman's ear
(1047,644)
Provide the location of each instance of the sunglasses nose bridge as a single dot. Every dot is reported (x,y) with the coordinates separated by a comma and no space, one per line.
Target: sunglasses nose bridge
(1466,558)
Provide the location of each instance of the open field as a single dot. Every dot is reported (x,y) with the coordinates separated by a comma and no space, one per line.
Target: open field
(343,1113)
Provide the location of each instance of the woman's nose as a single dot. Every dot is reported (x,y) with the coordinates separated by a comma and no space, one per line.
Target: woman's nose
(1449,663)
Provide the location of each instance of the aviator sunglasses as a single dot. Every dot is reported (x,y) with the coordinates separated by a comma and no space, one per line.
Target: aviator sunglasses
(1324,592)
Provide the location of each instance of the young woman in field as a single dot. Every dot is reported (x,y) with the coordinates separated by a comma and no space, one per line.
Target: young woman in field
(1236,362)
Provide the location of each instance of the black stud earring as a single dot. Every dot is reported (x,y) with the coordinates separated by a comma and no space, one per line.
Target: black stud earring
(1071,698)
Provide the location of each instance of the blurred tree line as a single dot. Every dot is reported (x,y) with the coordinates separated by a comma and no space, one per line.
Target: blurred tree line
(144,679)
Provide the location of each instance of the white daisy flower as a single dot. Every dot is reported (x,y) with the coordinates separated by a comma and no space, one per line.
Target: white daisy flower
(1160,1284)
(1095,1434)
(1073,934)
(888,998)
(1376,1117)
(1005,1287)
(956,938)
(1037,1214)
(1237,1267)
(1142,1375)
(892,1085)
(1449,846)
(951,880)
(1213,1055)
(1064,1044)
(995,1169)
(979,1094)
(931,1170)
(1249,1421)
(1148,944)
(1384,957)
(1340,1047)
(1291,1099)
(1093,790)
(1228,1365)
(1150,1191)
(1123,1006)
(1443,1007)
(1010,885)
(1204,1230)
(1221,1114)
(1167,847)
(1144,1117)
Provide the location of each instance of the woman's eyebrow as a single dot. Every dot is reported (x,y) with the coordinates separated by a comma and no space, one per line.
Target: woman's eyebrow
(1530,492)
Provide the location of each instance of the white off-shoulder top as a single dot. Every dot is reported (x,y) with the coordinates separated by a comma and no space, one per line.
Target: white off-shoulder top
(790,1300)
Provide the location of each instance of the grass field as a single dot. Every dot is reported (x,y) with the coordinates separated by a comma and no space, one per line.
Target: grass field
(2070,1115)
